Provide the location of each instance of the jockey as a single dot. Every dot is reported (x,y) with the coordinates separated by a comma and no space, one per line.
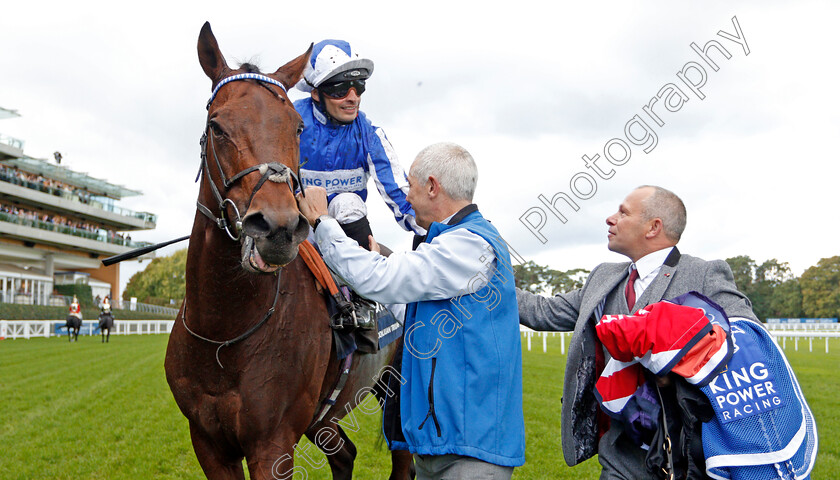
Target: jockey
(75,308)
(340,149)
(106,305)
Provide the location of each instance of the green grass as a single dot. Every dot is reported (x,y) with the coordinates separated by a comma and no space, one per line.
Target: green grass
(92,411)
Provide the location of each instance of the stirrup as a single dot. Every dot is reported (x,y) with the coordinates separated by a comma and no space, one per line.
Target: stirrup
(366,313)
(360,313)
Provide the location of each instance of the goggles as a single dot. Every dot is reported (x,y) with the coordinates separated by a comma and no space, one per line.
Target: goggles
(340,90)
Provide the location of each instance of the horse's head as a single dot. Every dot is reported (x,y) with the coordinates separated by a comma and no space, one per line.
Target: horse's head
(250,155)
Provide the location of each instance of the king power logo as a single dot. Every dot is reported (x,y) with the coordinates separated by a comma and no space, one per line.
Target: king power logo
(747,387)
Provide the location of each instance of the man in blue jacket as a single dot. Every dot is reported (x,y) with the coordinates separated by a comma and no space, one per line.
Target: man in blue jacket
(461,405)
(340,149)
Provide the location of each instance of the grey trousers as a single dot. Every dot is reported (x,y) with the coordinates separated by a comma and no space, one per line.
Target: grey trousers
(620,458)
(457,467)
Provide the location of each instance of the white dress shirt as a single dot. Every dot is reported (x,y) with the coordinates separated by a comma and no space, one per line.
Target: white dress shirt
(648,267)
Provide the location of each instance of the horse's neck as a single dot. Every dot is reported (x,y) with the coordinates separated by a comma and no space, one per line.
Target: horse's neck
(218,292)
(223,300)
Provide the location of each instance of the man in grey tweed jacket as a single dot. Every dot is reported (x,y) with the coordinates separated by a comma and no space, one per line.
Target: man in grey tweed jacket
(646,229)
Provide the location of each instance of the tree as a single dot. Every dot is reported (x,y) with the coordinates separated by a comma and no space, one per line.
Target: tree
(787,300)
(163,280)
(562,282)
(821,289)
(743,268)
(770,286)
(778,290)
(538,278)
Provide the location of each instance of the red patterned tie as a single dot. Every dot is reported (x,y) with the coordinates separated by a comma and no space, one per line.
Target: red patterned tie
(629,291)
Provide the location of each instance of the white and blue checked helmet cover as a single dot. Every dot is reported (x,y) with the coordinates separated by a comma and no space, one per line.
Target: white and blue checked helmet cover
(329,58)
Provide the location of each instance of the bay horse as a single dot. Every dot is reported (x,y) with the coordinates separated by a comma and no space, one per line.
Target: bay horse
(250,359)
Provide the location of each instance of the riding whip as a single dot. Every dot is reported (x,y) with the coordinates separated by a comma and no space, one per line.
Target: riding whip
(140,251)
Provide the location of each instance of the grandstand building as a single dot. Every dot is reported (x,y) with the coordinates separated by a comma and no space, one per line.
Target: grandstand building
(56,226)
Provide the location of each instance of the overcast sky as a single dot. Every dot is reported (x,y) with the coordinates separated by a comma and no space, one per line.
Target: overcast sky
(526,87)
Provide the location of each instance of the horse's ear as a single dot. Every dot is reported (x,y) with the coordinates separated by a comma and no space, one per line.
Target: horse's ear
(290,73)
(209,55)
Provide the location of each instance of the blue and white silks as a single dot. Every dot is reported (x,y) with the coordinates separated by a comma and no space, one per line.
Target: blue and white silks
(342,158)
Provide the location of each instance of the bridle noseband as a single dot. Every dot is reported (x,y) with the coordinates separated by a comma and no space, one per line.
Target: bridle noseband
(274,171)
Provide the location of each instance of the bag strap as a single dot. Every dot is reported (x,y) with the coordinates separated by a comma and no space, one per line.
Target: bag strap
(666,444)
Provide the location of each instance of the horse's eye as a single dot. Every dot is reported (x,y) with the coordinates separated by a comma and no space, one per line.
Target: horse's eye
(300,129)
(217,130)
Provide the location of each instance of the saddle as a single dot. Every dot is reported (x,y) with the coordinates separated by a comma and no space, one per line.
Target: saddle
(355,320)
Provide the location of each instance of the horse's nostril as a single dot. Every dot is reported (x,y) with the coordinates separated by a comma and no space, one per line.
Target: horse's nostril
(256,225)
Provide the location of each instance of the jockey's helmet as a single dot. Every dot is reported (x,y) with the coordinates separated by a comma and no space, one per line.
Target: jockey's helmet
(334,61)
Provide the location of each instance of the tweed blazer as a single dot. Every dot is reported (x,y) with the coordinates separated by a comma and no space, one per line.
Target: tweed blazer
(574,312)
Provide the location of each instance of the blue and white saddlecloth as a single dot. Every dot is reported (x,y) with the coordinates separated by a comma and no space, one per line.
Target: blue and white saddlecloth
(389,327)
(763,427)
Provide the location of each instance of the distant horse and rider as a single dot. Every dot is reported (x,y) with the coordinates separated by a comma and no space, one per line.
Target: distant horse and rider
(74,320)
(251,360)
(106,319)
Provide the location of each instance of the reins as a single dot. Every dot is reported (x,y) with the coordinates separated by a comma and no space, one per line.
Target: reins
(245,335)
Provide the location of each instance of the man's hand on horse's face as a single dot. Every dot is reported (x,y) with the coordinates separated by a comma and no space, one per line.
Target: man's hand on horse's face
(314,204)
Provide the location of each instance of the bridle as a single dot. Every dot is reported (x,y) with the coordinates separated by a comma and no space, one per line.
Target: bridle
(274,171)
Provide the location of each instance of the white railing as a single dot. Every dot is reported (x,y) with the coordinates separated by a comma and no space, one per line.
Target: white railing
(796,335)
(528,333)
(824,327)
(14,329)
(148,308)
(25,329)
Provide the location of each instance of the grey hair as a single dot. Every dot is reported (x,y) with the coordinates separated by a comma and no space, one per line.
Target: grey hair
(667,206)
(452,165)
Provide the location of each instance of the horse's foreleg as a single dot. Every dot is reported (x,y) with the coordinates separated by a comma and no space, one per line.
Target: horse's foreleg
(339,449)
(275,459)
(214,461)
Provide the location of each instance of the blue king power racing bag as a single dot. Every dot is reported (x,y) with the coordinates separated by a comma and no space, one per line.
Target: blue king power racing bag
(763,427)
